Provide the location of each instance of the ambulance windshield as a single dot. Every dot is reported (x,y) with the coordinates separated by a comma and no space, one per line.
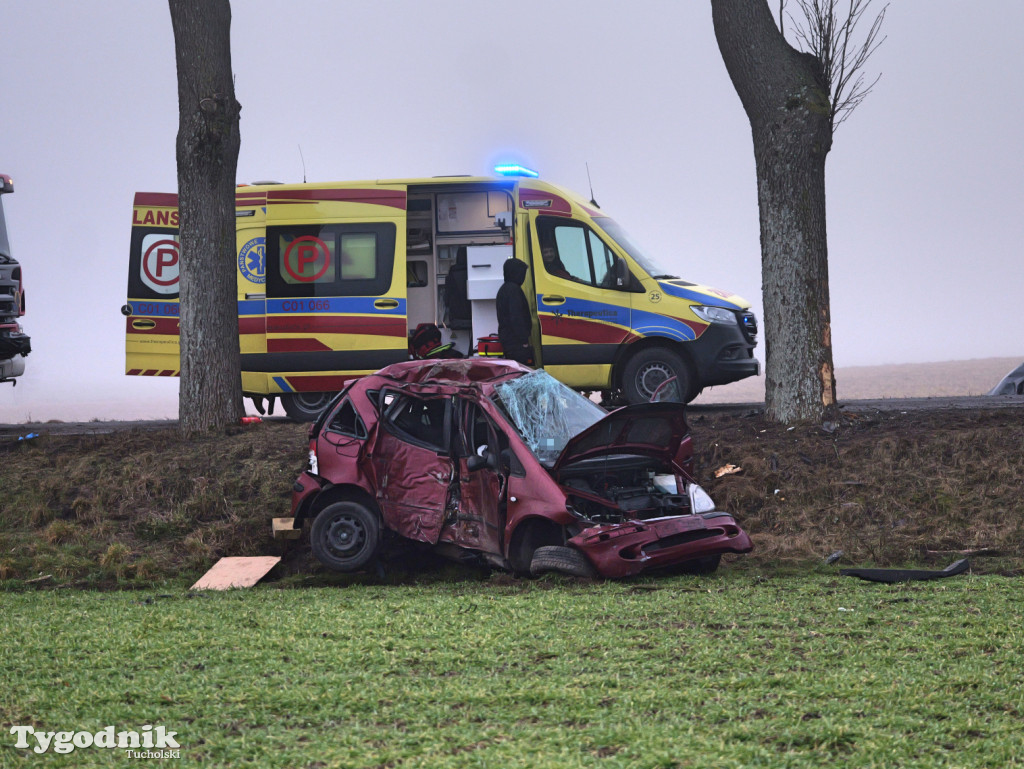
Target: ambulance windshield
(640,256)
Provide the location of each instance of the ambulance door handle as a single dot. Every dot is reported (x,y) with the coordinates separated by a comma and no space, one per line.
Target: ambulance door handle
(553,299)
(255,296)
(386,304)
(143,324)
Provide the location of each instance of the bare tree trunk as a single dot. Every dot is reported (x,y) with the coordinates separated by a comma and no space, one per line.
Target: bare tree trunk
(789,109)
(210,395)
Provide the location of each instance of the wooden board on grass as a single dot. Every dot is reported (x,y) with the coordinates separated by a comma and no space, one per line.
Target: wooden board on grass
(236,572)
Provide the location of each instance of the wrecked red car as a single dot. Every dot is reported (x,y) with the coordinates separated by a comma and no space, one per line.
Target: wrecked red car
(493,462)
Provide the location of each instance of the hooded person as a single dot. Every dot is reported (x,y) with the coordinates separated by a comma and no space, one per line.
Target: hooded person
(515,321)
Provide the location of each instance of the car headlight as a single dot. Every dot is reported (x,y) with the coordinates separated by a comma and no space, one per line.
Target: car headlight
(700,500)
(714,314)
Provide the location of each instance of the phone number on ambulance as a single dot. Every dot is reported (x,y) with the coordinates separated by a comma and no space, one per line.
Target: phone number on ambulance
(306,305)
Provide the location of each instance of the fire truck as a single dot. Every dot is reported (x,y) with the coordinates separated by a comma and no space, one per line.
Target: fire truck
(14,344)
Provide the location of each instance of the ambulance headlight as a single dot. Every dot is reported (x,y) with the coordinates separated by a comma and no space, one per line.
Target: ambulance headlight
(714,314)
(700,500)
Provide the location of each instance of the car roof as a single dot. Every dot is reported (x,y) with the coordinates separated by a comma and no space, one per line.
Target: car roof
(447,375)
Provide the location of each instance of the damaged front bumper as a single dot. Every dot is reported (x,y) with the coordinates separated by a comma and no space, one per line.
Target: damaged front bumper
(625,549)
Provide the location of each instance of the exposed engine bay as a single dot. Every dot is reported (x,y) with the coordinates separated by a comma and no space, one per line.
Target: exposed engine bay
(614,489)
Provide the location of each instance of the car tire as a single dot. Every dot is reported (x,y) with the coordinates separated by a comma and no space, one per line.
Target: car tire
(649,368)
(566,560)
(305,407)
(706,565)
(345,536)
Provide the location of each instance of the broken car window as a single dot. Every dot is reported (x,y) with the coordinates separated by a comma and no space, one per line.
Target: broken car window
(347,422)
(420,421)
(545,412)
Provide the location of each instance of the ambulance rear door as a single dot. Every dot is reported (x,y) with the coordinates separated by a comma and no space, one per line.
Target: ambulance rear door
(335,298)
(151,332)
(583,312)
(251,263)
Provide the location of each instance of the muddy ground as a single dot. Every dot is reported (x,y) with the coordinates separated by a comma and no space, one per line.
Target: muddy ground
(884,487)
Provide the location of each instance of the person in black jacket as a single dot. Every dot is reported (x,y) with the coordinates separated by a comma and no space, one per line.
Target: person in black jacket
(514,318)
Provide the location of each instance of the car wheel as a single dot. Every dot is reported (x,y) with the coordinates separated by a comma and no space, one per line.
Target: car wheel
(345,536)
(706,565)
(305,407)
(567,560)
(648,373)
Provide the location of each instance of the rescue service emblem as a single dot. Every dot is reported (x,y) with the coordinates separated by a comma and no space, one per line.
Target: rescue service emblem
(252,261)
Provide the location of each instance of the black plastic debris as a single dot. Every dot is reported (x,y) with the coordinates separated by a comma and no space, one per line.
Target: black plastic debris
(908,575)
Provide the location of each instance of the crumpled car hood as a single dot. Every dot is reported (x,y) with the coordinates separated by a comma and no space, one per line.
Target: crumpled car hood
(650,429)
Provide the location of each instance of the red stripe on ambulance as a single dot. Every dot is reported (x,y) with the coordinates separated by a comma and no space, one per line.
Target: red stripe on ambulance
(393,198)
(336,324)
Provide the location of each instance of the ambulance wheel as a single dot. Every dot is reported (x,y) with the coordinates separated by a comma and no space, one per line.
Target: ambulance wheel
(345,536)
(305,407)
(647,375)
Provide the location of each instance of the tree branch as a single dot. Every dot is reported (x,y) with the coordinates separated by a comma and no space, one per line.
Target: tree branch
(831,36)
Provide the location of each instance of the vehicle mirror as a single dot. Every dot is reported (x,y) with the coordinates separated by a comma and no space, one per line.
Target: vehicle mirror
(621,273)
(477,462)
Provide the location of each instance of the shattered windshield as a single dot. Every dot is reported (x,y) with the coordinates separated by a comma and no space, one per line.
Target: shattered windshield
(545,412)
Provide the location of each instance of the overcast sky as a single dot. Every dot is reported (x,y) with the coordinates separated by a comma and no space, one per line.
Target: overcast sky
(925,207)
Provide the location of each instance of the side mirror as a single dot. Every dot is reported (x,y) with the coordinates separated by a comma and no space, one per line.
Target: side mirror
(477,462)
(621,273)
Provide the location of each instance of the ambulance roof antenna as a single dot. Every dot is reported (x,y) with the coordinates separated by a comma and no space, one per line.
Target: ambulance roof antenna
(591,186)
(303,164)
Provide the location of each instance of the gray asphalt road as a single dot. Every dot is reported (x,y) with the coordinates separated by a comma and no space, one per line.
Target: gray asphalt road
(9,432)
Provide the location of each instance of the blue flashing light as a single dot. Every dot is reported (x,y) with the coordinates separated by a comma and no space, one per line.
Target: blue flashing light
(512,169)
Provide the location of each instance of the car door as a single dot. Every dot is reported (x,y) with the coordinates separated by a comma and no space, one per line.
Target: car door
(476,515)
(584,315)
(412,463)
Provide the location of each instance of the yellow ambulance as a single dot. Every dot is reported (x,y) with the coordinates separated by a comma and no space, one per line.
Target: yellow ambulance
(333,277)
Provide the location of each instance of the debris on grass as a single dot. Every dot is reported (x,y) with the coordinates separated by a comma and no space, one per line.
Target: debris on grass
(236,572)
(908,575)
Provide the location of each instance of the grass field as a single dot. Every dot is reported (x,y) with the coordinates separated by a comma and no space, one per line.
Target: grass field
(737,670)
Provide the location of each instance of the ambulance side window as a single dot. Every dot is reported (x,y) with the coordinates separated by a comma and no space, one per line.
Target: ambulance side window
(573,251)
(603,260)
(153,263)
(330,260)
